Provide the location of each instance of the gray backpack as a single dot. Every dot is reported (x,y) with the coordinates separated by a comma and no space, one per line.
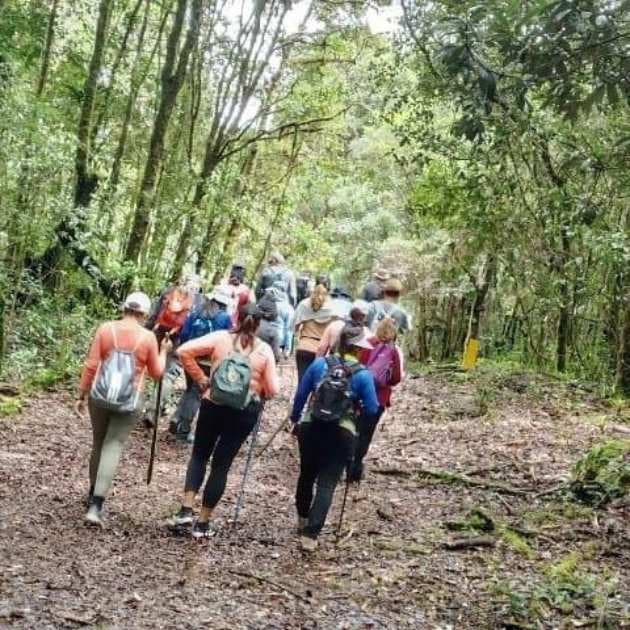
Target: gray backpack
(114,387)
(229,384)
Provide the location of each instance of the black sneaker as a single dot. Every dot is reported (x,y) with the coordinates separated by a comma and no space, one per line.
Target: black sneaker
(185,516)
(202,530)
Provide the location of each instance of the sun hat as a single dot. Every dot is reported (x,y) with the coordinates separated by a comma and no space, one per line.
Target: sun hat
(352,335)
(138,302)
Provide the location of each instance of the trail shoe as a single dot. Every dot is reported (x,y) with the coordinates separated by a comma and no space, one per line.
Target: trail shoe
(302,522)
(308,544)
(202,530)
(185,516)
(172,427)
(94,514)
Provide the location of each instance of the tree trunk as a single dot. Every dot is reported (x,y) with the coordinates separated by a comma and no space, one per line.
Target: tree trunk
(173,75)
(229,244)
(564,314)
(622,379)
(50,35)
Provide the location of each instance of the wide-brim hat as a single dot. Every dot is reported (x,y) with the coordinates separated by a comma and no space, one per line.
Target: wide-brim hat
(355,336)
(381,274)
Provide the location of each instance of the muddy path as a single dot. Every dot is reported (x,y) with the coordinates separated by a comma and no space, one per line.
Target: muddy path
(538,559)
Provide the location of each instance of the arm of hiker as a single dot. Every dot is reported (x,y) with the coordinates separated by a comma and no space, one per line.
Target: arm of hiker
(270,380)
(364,389)
(190,351)
(325,342)
(156,359)
(306,386)
(94,357)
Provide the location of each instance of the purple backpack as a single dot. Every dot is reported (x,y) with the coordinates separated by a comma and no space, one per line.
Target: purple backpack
(381,363)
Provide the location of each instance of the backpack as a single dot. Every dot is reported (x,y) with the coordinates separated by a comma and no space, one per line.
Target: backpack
(114,387)
(273,278)
(303,288)
(229,384)
(175,303)
(268,307)
(381,363)
(333,397)
(197,325)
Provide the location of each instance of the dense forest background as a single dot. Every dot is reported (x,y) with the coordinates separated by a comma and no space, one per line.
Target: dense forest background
(479,150)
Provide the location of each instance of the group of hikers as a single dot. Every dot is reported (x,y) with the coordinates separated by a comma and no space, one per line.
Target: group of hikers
(229,343)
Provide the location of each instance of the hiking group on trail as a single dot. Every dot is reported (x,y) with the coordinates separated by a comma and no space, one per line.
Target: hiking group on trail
(229,344)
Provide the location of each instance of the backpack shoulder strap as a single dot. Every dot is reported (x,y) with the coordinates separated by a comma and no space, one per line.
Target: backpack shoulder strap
(332,360)
(113,329)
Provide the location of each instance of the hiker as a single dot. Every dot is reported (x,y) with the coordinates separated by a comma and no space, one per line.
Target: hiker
(239,292)
(111,386)
(209,317)
(341,302)
(304,286)
(388,306)
(385,362)
(312,317)
(279,275)
(373,290)
(271,325)
(330,338)
(338,387)
(243,374)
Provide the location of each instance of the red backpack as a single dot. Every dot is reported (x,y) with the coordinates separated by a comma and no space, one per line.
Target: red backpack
(381,364)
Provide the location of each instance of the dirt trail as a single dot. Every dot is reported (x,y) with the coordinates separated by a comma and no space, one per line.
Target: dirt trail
(391,569)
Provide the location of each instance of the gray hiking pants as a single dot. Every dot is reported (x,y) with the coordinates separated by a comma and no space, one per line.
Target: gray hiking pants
(188,407)
(110,433)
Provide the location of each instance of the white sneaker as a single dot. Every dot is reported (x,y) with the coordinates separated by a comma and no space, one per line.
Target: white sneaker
(94,516)
(308,544)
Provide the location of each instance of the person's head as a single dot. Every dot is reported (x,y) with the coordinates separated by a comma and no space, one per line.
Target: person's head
(248,325)
(323,279)
(381,275)
(237,274)
(387,330)
(352,340)
(191,283)
(137,305)
(318,297)
(340,293)
(358,312)
(219,299)
(392,289)
(276,258)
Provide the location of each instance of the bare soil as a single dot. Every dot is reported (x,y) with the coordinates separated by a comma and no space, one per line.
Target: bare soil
(403,561)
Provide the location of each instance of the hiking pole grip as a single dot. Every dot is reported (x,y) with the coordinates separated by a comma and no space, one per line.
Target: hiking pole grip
(156,417)
(239,501)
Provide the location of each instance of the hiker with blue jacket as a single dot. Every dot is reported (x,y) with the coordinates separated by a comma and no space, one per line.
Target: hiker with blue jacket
(339,390)
(211,315)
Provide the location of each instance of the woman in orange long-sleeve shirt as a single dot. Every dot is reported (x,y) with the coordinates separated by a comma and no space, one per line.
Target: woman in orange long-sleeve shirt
(222,430)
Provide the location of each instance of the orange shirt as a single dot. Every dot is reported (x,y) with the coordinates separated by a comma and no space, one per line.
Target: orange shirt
(217,346)
(129,335)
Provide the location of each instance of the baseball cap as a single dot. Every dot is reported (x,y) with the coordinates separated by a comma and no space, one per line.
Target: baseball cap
(355,336)
(221,296)
(361,305)
(393,285)
(138,302)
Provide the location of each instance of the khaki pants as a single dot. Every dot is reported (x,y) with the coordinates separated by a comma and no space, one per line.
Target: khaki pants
(110,433)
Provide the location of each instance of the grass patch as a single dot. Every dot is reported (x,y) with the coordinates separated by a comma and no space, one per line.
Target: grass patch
(10,406)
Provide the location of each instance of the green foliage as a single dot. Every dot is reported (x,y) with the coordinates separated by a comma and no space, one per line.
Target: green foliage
(603,473)
(10,406)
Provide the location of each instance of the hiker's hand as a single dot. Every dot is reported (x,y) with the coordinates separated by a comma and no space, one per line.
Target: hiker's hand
(203,384)
(80,407)
(167,344)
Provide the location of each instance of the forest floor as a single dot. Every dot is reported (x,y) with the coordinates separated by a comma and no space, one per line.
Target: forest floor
(530,556)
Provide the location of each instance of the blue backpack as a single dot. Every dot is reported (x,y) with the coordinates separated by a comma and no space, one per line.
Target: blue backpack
(197,325)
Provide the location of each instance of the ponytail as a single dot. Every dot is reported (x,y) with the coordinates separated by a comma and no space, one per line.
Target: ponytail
(246,330)
(318,297)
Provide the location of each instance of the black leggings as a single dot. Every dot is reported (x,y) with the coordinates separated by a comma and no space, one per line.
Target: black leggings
(303,358)
(367,426)
(220,432)
(324,453)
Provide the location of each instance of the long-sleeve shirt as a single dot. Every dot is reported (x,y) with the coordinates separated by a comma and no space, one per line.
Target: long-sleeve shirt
(129,336)
(361,386)
(217,346)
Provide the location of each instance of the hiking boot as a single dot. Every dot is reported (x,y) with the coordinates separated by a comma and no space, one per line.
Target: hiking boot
(354,474)
(302,522)
(185,516)
(172,427)
(308,544)
(202,530)
(94,515)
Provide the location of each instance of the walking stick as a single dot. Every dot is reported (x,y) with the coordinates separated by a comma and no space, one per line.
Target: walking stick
(156,418)
(239,501)
(273,437)
(343,508)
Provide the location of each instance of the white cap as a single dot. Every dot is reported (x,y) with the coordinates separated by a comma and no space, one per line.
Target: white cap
(137,301)
(361,305)
(221,296)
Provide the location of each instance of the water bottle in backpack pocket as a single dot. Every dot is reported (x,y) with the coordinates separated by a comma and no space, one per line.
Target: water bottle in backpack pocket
(332,399)
(115,386)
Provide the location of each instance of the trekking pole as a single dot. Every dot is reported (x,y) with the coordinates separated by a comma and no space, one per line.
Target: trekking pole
(273,437)
(156,418)
(239,501)
(343,509)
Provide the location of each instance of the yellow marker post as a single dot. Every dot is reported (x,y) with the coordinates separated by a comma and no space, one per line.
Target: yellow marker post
(471,354)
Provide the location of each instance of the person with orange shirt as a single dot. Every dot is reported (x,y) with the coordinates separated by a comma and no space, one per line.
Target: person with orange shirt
(111,429)
(221,430)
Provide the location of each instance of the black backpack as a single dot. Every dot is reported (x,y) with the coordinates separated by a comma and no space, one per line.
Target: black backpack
(268,308)
(333,397)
